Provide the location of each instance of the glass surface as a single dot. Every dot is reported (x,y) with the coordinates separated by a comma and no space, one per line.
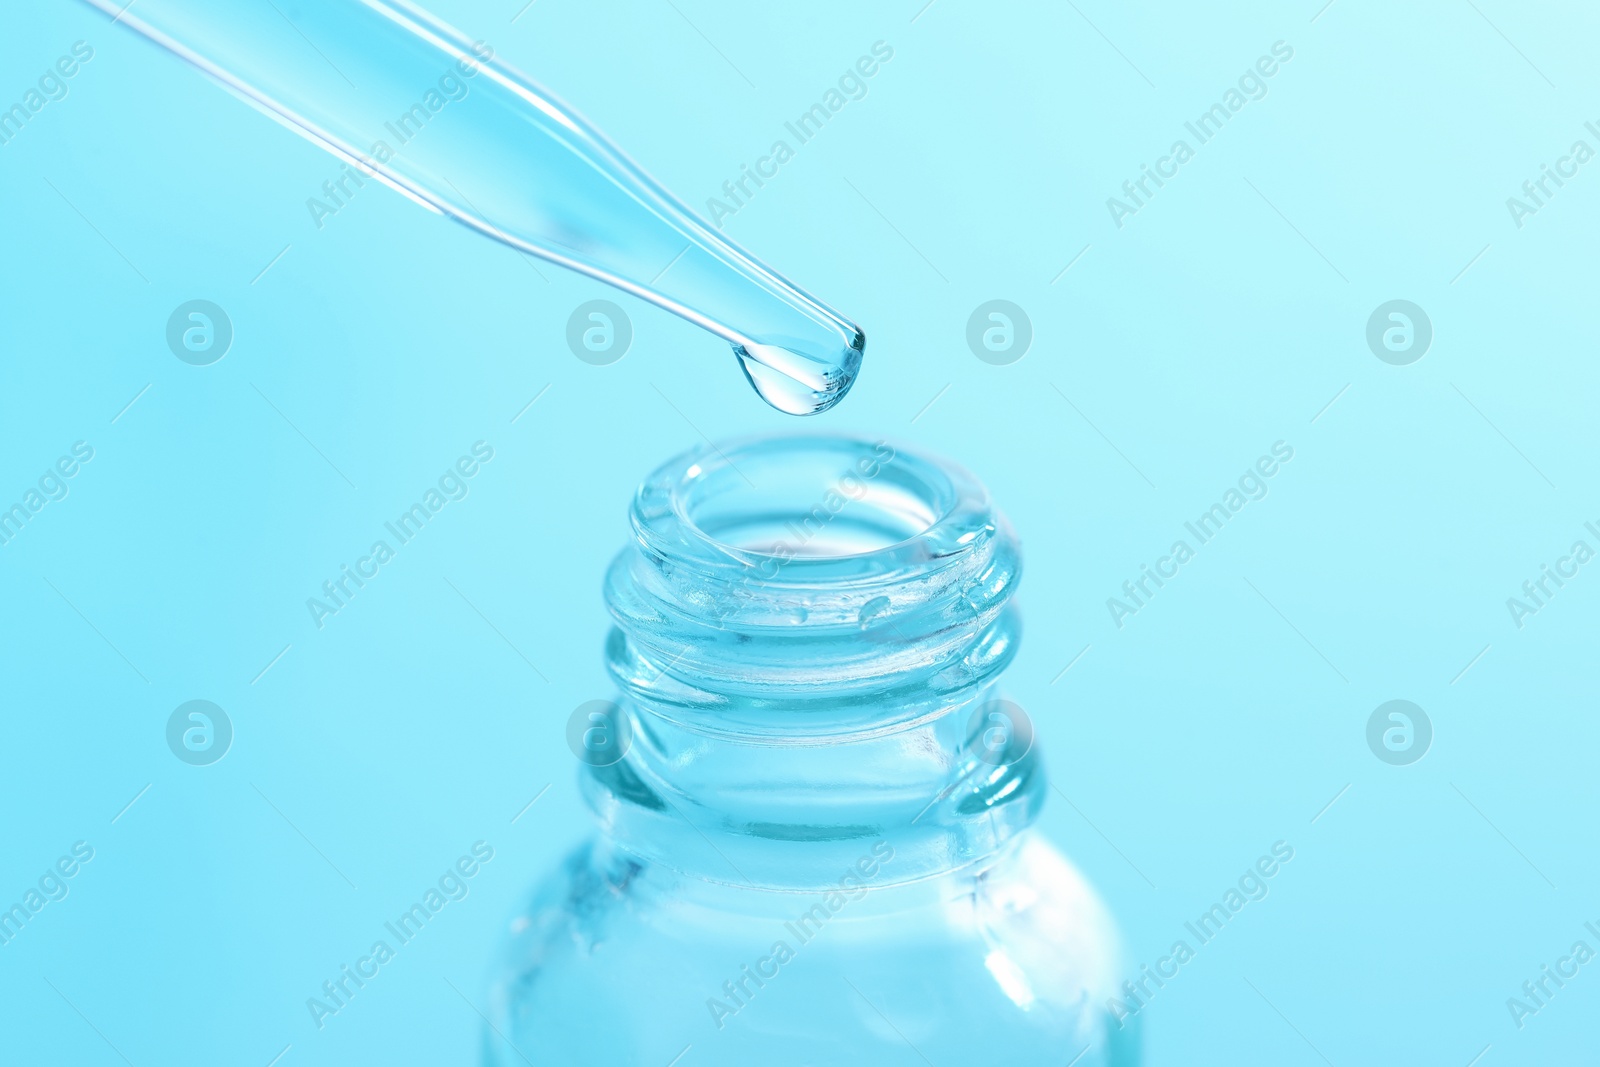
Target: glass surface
(814,807)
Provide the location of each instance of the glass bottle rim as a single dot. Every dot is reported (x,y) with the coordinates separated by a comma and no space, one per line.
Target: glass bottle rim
(911,512)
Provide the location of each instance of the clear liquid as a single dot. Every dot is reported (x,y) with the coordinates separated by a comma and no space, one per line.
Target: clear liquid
(408,101)
(796,383)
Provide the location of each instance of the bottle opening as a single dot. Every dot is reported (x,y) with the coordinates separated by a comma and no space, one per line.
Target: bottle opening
(812,569)
(808,509)
(811,498)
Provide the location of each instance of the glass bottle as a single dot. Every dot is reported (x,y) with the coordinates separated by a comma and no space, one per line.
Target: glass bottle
(814,805)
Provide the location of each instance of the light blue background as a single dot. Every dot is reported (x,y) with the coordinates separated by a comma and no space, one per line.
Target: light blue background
(1222,318)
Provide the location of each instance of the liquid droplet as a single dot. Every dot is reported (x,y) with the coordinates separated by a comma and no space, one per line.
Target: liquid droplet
(798,383)
(878,605)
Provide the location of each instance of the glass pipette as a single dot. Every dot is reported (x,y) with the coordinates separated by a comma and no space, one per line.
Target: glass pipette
(406,99)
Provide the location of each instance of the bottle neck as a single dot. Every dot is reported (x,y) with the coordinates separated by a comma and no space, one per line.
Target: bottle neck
(937,786)
(791,705)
